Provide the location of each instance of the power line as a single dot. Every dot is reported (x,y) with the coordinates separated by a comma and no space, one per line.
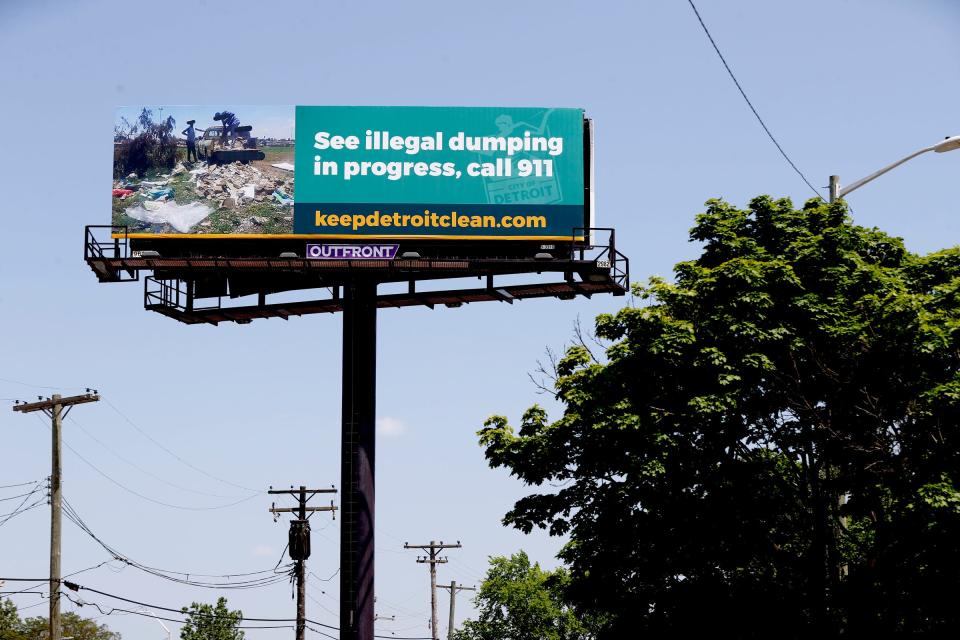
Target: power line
(267,576)
(322,606)
(19,512)
(322,633)
(45,581)
(37,386)
(22,484)
(145,497)
(5,579)
(29,590)
(112,610)
(78,587)
(145,471)
(19,496)
(178,458)
(332,576)
(750,104)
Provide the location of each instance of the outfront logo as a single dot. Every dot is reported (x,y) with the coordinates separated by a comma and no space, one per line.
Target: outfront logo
(352,251)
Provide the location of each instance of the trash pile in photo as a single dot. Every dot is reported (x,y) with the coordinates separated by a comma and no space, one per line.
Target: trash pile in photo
(227,186)
(237,184)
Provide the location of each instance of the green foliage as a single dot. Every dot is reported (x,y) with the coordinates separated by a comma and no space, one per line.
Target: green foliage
(11,627)
(73,626)
(211,622)
(144,146)
(769,442)
(520,601)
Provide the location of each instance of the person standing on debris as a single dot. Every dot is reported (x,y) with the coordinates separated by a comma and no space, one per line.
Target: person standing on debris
(230,124)
(191,134)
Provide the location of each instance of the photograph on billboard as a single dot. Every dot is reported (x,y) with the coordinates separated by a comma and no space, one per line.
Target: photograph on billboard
(471,173)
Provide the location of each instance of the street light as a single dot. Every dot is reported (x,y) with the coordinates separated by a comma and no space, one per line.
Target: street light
(947,144)
(151,614)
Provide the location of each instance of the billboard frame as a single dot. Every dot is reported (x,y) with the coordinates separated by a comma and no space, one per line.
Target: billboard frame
(235,243)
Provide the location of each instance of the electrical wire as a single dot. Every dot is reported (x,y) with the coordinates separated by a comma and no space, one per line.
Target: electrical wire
(750,104)
(285,547)
(113,610)
(141,469)
(5,579)
(45,581)
(37,386)
(19,496)
(322,606)
(72,586)
(266,577)
(7,517)
(322,633)
(154,500)
(28,590)
(142,496)
(178,458)
(77,587)
(22,484)
(332,576)
(143,433)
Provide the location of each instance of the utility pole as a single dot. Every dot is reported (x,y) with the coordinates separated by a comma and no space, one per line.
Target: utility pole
(454,588)
(57,408)
(834,188)
(433,559)
(299,541)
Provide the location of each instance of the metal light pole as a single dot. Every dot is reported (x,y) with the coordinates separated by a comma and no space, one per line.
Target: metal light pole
(947,144)
(154,616)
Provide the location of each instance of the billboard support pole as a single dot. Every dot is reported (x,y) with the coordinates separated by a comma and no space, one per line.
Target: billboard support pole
(358,446)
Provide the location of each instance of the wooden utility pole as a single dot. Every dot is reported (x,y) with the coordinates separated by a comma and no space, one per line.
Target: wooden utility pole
(433,559)
(299,542)
(454,588)
(57,408)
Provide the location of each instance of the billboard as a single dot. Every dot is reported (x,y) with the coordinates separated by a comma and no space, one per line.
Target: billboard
(351,173)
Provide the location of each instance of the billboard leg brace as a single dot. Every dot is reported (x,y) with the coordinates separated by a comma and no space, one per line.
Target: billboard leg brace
(358,446)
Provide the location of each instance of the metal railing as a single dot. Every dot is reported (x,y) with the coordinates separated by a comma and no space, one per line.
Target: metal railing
(97,250)
(605,255)
(117,246)
(173,294)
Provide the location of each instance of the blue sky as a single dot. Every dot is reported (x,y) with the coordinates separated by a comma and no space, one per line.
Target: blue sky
(845,86)
(269,121)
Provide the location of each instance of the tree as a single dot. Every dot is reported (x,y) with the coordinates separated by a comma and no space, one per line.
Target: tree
(209,622)
(770,444)
(520,601)
(11,627)
(38,628)
(72,625)
(145,145)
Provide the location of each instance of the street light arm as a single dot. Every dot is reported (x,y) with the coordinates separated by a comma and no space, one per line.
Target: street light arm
(947,144)
(873,176)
